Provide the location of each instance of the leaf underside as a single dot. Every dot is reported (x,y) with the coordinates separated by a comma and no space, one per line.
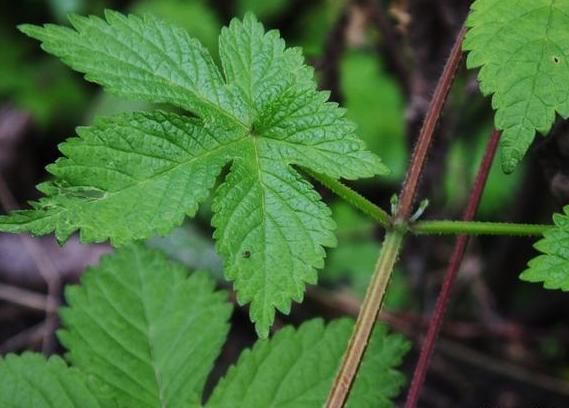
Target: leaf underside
(552,267)
(522,47)
(295,369)
(131,176)
(144,330)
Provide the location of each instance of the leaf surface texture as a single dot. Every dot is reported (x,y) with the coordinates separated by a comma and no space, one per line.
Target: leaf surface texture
(295,369)
(144,330)
(522,47)
(30,380)
(552,266)
(131,176)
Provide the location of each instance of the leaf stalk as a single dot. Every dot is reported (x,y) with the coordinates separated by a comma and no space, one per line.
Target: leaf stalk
(352,197)
(446,227)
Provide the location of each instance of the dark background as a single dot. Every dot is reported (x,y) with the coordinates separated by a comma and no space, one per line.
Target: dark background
(504,343)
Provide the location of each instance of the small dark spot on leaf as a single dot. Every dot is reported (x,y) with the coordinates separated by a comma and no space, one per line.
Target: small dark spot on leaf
(246,254)
(556,60)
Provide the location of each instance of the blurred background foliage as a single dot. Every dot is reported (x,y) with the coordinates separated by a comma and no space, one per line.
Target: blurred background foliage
(380,60)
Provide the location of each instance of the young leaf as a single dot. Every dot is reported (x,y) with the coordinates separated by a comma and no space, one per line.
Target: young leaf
(552,268)
(295,369)
(522,48)
(144,330)
(30,380)
(129,177)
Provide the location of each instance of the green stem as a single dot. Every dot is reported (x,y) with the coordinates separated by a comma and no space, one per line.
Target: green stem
(352,197)
(444,227)
(367,317)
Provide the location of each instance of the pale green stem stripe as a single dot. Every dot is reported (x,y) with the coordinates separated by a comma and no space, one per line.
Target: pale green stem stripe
(352,197)
(367,317)
(444,227)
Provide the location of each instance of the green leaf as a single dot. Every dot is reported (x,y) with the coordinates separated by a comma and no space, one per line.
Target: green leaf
(142,58)
(144,330)
(30,380)
(522,47)
(296,368)
(134,175)
(552,268)
(128,177)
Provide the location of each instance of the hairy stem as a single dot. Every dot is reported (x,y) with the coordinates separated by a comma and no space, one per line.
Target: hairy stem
(366,319)
(352,197)
(425,139)
(445,227)
(450,275)
(394,239)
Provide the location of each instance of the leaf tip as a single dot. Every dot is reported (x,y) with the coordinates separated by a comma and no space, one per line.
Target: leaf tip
(262,331)
(31,30)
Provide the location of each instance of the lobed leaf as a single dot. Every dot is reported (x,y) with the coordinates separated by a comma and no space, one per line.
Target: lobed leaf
(128,177)
(145,332)
(295,369)
(522,47)
(552,267)
(30,380)
(131,176)
(138,57)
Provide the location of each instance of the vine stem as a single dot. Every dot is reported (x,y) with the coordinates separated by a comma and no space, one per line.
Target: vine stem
(366,319)
(425,139)
(445,227)
(394,239)
(450,275)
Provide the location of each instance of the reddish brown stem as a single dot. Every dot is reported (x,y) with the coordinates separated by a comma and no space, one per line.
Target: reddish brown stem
(450,276)
(373,300)
(425,139)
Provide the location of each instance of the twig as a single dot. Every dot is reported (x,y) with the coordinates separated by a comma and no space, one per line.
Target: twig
(46,268)
(450,276)
(347,304)
(24,338)
(504,368)
(22,297)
